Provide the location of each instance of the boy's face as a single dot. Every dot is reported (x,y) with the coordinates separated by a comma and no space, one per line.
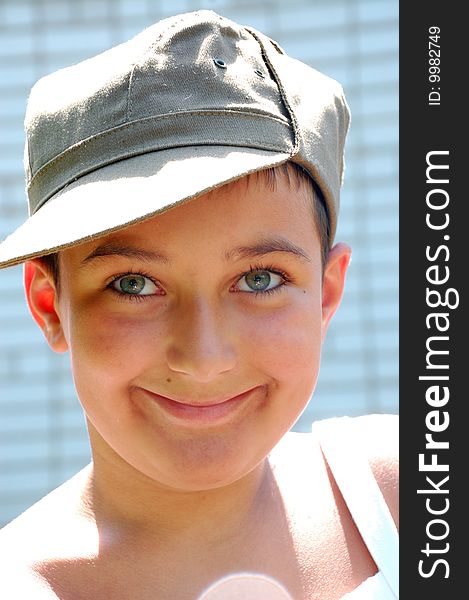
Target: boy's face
(195,336)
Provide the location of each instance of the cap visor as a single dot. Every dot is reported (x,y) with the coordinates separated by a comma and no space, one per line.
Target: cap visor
(127,192)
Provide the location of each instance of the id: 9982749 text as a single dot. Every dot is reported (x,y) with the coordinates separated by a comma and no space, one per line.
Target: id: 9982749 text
(434,96)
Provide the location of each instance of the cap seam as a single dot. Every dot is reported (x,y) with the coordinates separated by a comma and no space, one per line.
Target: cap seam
(283,94)
(142,57)
(49,164)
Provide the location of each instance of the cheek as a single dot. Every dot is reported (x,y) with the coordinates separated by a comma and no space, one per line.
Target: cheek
(108,351)
(286,342)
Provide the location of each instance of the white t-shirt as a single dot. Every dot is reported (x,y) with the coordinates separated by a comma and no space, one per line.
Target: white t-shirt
(340,444)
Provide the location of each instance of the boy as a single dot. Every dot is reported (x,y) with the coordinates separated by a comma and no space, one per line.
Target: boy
(183,192)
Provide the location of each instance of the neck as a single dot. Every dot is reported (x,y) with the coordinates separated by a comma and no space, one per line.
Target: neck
(121,499)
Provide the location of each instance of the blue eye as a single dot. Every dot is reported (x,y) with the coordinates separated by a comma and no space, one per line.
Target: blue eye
(134,285)
(260,280)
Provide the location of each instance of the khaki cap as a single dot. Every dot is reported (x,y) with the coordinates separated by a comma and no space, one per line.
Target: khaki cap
(189,104)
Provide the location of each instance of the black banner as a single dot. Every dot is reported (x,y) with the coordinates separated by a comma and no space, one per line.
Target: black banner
(433,291)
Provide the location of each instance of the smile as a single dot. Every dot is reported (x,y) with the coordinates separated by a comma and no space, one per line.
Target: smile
(205,412)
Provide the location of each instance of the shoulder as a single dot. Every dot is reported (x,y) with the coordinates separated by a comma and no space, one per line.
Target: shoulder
(42,519)
(18,579)
(379,438)
(376,437)
(49,529)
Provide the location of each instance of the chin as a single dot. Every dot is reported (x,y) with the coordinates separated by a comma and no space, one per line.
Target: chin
(201,464)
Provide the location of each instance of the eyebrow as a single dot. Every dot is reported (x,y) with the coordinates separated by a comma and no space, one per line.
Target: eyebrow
(260,248)
(266,246)
(128,251)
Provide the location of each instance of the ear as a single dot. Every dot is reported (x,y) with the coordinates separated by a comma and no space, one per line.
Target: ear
(42,298)
(333,282)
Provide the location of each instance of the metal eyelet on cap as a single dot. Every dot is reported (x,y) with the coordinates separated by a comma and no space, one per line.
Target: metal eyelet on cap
(259,73)
(220,63)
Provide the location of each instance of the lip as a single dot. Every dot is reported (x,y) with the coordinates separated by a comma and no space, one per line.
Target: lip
(206,412)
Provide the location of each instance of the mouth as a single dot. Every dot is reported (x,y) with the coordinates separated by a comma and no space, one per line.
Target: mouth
(205,411)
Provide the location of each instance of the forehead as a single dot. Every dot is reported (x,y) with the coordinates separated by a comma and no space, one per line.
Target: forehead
(249,209)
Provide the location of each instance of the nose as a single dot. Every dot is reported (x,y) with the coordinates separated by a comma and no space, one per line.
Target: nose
(200,344)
